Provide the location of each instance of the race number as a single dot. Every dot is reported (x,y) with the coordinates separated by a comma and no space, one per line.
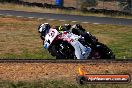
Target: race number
(51,34)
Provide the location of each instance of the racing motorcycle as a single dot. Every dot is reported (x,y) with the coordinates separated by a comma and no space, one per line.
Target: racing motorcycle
(61,48)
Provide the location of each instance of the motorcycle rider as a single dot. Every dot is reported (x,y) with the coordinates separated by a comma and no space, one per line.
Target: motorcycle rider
(81,50)
(42,31)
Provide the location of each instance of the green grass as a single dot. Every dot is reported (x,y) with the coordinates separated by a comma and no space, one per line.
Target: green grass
(57,84)
(19,38)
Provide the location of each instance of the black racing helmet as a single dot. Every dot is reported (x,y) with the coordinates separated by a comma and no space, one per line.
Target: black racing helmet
(68,26)
(44,29)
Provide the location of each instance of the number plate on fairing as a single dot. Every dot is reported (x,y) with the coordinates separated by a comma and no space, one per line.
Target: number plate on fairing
(50,37)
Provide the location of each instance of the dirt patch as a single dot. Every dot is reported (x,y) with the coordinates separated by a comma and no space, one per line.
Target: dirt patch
(33,71)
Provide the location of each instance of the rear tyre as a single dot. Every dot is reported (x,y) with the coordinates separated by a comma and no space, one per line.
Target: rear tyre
(101,51)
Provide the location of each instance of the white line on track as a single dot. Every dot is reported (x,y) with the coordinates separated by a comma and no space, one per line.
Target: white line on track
(85,22)
(19,16)
(1,14)
(47,19)
(30,17)
(96,23)
(74,21)
(40,18)
(62,20)
(51,19)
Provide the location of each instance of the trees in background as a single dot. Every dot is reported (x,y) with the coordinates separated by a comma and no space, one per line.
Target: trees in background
(87,3)
(125,5)
(122,5)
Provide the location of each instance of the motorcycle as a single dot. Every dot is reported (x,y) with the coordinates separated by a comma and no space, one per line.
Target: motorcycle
(59,45)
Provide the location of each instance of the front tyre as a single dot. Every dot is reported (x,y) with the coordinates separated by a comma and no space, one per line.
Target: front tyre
(62,50)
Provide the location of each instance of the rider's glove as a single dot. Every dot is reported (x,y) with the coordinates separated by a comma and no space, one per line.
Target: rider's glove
(46,45)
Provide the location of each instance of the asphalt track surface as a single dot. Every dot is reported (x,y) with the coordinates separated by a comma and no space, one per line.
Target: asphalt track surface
(63,17)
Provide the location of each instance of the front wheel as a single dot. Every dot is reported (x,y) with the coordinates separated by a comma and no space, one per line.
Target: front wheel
(62,50)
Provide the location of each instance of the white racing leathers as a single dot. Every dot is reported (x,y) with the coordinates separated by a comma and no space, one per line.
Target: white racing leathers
(50,37)
(81,52)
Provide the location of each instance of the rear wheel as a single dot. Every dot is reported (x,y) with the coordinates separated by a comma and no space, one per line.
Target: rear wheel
(101,51)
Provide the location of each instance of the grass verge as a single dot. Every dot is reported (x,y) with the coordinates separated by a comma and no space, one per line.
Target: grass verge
(19,38)
(57,84)
(8,6)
